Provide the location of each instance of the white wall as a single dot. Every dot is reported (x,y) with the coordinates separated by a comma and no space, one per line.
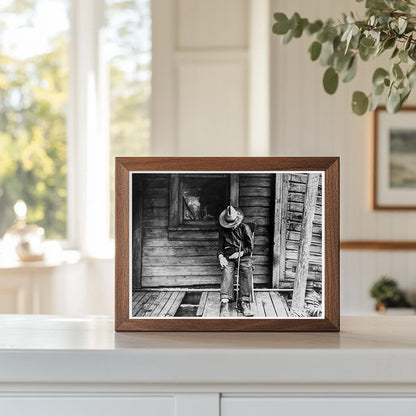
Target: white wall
(211,92)
(203,84)
(308,122)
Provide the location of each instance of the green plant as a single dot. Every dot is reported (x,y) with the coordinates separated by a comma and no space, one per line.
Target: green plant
(389,26)
(387,292)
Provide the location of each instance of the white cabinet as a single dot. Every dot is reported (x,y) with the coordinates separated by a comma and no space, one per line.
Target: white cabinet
(80,366)
(88,406)
(324,406)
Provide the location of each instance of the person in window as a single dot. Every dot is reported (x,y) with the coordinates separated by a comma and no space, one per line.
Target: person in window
(235,242)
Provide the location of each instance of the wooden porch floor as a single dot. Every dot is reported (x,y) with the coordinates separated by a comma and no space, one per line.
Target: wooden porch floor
(161,303)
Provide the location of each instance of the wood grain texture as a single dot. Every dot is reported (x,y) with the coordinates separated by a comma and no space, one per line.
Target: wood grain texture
(280,225)
(378,245)
(305,238)
(137,207)
(167,243)
(331,212)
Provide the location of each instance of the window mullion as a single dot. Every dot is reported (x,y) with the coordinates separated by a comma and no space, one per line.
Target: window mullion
(88,142)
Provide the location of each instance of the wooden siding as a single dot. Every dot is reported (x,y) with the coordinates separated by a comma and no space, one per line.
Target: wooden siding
(256,202)
(297,191)
(188,257)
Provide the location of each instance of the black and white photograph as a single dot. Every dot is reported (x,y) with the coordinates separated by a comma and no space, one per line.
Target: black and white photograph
(226,245)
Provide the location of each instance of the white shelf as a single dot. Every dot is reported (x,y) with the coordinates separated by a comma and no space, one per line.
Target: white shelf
(51,349)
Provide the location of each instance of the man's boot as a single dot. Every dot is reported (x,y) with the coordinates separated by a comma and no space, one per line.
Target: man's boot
(224,311)
(244,308)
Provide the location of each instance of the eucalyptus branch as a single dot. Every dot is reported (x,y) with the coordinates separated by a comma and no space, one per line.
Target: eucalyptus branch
(389,25)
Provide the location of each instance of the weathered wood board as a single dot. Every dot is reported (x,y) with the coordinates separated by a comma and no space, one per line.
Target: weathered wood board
(152,303)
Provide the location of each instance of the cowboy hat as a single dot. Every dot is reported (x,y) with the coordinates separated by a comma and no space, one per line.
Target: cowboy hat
(231,217)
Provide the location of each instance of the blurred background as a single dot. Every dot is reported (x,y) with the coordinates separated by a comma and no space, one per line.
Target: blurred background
(83,81)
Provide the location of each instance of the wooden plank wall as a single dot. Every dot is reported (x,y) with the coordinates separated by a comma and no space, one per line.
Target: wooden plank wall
(256,200)
(189,258)
(297,190)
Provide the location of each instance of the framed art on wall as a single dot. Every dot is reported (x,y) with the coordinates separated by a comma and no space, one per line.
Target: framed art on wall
(227,244)
(394,179)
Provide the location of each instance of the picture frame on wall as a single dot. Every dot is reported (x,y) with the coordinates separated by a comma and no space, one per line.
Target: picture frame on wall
(227,244)
(394,159)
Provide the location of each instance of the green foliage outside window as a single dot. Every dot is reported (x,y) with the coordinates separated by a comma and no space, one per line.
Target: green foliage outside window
(34,104)
(129,40)
(33,99)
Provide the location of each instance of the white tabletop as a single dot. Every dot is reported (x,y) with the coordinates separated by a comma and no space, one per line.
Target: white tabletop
(376,349)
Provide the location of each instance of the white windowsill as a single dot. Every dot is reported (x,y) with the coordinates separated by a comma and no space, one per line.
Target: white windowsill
(64,257)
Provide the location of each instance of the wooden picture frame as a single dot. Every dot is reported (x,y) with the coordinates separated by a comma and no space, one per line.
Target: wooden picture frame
(391,174)
(144,215)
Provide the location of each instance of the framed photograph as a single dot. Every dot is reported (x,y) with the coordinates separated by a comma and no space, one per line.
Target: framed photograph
(394,159)
(227,244)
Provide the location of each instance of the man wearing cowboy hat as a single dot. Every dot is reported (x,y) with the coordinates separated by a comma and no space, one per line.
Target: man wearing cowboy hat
(235,242)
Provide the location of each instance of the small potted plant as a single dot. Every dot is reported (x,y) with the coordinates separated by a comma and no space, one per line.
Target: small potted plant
(387,294)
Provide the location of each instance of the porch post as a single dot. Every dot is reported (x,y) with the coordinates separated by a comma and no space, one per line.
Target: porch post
(302,269)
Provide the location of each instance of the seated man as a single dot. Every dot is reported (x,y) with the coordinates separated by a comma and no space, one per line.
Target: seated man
(235,242)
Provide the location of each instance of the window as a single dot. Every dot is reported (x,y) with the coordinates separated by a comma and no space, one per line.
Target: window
(75,88)
(129,57)
(198,199)
(33,112)
(202,199)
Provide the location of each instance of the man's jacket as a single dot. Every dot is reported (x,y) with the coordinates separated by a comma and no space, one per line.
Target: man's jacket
(230,239)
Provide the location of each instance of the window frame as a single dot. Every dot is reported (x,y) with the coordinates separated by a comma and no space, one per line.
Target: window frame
(88,132)
(176,205)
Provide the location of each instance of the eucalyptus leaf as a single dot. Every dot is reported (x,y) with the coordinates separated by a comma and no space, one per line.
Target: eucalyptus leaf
(359,103)
(281,27)
(367,42)
(288,37)
(322,36)
(341,62)
(351,70)
(389,43)
(395,52)
(330,80)
(412,52)
(378,89)
(298,30)
(402,22)
(379,75)
(412,70)
(411,78)
(408,42)
(404,96)
(294,20)
(400,5)
(393,101)
(374,102)
(315,50)
(314,27)
(327,53)
(397,71)
(366,53)
(376,4)
(403,56)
